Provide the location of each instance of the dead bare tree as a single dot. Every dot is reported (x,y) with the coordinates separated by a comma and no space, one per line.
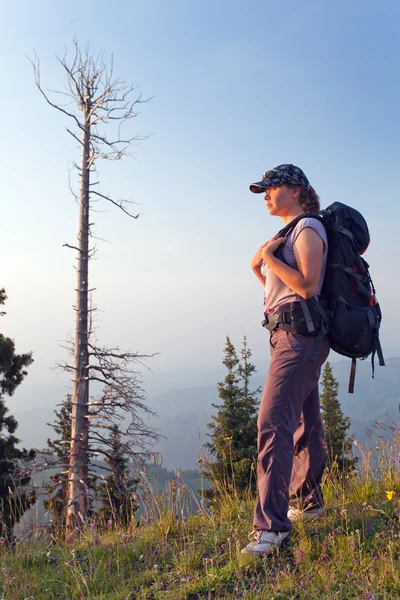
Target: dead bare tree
(95,99)
(121,402)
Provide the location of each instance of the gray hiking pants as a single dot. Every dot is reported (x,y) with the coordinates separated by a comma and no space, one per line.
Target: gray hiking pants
(291,447)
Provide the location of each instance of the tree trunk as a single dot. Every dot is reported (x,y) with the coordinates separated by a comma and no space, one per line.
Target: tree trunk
(78,468)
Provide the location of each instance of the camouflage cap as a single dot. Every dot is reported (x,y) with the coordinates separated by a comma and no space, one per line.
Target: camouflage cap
(280,175)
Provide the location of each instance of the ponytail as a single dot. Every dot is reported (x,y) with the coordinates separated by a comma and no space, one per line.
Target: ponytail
(309,200)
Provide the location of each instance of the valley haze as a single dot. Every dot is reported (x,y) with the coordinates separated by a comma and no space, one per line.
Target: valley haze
(183,412)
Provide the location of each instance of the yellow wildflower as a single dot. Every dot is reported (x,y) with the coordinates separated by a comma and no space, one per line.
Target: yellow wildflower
(390,495)
(227,439)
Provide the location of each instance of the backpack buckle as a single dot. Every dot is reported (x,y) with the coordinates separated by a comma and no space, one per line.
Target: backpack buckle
(271,322)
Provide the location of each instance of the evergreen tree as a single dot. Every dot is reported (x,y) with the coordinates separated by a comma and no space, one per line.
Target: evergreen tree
(16,495)
(336,425)
(60,448)
(117,493)
(233,437)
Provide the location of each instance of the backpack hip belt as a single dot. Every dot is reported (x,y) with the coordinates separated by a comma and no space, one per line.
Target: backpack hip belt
(292,317)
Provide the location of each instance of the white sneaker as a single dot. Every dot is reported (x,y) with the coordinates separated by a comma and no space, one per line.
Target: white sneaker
(296,514)
(265,542)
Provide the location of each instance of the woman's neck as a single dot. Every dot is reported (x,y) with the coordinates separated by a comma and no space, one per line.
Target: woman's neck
(293,214)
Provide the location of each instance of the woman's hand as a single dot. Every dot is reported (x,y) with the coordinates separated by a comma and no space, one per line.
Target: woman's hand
(257,259)
(269,249)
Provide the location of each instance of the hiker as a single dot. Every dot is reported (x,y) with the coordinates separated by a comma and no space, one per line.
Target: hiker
(291,447)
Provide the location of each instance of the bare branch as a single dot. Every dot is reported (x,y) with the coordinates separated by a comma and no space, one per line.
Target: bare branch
(72,247)
(75,136)
(36,69)
(119,203)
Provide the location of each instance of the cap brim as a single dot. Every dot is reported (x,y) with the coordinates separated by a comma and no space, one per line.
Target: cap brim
(259,187)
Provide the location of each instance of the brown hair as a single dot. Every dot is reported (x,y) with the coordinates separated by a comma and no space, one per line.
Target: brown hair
(309,200)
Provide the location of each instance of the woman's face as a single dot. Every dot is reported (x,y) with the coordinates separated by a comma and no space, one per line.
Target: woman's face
(282,200)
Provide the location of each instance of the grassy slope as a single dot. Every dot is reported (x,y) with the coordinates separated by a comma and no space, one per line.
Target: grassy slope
(351,553)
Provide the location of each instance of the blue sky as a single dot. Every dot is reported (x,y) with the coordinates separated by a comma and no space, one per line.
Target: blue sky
(239,87)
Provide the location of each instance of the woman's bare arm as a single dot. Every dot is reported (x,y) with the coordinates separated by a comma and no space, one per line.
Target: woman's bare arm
(308,250)
(259,275)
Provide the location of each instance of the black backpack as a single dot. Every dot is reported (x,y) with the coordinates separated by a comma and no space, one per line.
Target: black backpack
(350,312)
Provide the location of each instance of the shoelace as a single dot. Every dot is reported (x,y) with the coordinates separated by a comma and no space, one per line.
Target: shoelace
(256,534)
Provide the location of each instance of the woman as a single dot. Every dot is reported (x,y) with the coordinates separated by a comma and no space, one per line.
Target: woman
(291,448)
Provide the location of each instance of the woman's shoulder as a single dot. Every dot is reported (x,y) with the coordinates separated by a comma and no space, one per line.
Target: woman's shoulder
(310,222)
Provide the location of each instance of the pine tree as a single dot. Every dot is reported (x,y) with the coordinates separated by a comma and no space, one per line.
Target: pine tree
(233,437)
(16,495)
(117,493)
(336,425)
(57,487)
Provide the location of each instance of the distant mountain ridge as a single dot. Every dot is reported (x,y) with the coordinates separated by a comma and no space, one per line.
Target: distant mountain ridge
(183,414)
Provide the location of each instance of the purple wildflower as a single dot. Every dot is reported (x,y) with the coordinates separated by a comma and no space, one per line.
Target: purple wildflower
(223,546)
(375,558)
(109,522)
(92,568)
(333,534)
(356,562)
(349,574)
(109,565)
(300,553)
(155,552)
(302,585)
(324,543)
(95,541)
(368,527)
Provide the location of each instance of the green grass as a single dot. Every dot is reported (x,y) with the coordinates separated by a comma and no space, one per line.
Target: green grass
(353,552)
